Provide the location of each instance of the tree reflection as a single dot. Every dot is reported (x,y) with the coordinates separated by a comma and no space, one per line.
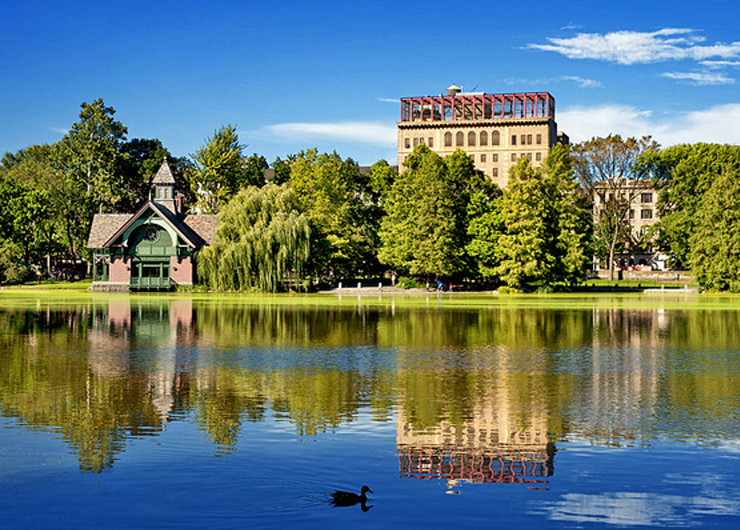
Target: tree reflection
(471,384)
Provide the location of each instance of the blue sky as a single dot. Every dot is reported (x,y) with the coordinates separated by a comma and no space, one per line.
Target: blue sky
(295,75)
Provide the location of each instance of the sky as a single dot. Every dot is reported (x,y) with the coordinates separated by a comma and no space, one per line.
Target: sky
(292,76)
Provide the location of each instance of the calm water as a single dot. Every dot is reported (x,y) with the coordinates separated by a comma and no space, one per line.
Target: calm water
(458,412)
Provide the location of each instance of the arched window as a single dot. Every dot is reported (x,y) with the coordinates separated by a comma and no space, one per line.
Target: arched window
(448,139)
(471,138)
(495,138)
(484,138)
(459,139)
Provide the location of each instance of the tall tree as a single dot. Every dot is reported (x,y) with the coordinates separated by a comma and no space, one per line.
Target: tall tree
(544,223)
(262,236)
(218,171)
(424,232)
(333,192)
(682,174)
(715,242)
(604,167)
(87,160)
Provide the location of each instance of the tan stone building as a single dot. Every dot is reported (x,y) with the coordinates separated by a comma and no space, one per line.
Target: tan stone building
(496,130)
(638,199)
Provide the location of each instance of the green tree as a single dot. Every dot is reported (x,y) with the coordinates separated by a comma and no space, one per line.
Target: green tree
(715,241)
(546,227)
(681,174)
(425,231)
(86,161)
(334,194)
(218,171)
(28,213)
(262,236)
(604,167)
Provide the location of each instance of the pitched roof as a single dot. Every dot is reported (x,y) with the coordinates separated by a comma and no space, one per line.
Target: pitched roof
(203,225)
(197,230)
(164,175)
(104,226)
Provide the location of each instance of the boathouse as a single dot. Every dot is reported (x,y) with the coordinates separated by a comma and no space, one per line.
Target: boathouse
(152,249)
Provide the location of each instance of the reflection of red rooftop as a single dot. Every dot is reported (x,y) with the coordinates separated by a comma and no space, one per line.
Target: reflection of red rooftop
(506,466)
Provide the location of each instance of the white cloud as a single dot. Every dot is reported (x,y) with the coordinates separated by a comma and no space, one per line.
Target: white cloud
(718,124)
(580,81)
(700,78)
(389,100)
(640,509)
(631,47)
(59,130)
(364,132)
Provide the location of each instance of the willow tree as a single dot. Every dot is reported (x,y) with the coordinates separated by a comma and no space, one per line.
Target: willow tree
(262,236)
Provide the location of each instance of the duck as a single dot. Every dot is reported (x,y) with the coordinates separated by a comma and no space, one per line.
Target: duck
(347,498)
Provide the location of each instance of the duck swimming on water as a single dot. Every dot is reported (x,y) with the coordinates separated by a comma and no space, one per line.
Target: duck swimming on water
(347,498)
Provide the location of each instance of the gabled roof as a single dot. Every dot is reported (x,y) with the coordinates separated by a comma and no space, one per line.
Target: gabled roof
(103,227)
(196,230)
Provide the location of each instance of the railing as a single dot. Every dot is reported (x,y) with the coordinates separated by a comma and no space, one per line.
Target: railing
(154,283)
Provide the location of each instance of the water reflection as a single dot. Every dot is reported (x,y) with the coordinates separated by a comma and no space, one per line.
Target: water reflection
(481,395)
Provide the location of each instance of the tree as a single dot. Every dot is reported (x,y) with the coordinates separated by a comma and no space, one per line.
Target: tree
(262,236)
(714,252)
(334,194)
(425,231)
(681,174)
(28,212)
(86,160)
(544,225)
(604,167)
(218,171)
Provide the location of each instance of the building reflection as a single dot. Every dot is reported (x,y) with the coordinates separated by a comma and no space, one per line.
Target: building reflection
(502,437)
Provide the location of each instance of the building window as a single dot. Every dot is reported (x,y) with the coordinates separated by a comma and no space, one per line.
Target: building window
(646,214)
(513,139)
(430,142)
(523,139)
(448,139)
(646,197)
(513,157)
(407,143)
(482,159)
(495,138)
(529,139)
(632,214)
(471,138)
(529,156)
(539,139)
(484,138)
(538,157)
(459,139)
(416,142)
(495,172)
(494,157)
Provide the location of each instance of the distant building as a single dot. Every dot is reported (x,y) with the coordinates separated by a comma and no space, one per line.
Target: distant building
(496,130)
(639,199)
(153,248)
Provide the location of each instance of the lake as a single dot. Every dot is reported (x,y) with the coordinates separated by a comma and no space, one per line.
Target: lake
(458,411)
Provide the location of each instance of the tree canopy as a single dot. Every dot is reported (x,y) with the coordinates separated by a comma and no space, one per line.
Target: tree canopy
(262,236)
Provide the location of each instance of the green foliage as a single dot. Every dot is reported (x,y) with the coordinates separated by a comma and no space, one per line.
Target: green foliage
(605,168)
(139,160)
(682,174)
(485,226)
(86,162)
(343,213)
(425,232)
(546,226)
(218,171)
(715,241)
(262,236)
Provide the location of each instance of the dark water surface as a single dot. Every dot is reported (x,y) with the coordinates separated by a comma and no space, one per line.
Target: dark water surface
(459,412)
